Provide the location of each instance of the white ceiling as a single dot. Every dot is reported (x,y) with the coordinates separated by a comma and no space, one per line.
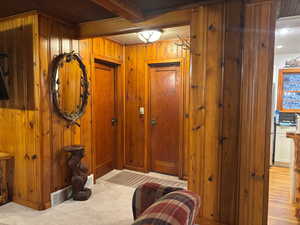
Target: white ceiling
(168,34)
(288,35)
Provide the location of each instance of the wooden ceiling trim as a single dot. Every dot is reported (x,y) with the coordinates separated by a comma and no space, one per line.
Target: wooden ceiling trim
(154,13)
(29,13)
(122,8)
(120,25)
(289,8)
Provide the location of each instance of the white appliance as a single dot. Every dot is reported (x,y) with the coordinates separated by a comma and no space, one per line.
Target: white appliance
(284,146)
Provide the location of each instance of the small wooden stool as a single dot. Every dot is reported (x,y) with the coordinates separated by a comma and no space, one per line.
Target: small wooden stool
(6,177)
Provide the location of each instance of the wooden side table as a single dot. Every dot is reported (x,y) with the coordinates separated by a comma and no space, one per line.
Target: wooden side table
(6,177)
(296,138)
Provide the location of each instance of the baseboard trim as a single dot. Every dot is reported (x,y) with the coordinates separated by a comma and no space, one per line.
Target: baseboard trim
(205,221)
(65,194)
(282,164)
(47,205)
(29,204)
(139,169)
(103,169)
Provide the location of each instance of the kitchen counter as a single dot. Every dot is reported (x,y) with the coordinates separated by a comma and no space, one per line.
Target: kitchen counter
(296,170)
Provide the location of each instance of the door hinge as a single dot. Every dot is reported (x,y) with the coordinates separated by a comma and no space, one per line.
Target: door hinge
(222,63)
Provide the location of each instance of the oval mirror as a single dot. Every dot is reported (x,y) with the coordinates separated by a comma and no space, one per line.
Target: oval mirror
(69,86)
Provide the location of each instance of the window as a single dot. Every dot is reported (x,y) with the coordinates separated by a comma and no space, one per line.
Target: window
(289,90)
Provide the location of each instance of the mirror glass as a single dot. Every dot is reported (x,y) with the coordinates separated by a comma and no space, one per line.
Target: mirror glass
(70,86)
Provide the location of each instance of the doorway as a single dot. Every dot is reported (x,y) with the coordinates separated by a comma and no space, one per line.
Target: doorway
(285,106)
(165,98)
(133,90)
(104,118)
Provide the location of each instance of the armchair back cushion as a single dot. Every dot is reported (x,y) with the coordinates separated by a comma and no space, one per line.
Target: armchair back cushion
(147,194)
(176,208)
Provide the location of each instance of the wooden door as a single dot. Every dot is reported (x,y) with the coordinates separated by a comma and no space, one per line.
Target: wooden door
(165,118)
(104,122)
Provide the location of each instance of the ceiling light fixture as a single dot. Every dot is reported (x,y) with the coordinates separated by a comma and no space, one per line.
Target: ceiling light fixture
(279,46)
(149,36)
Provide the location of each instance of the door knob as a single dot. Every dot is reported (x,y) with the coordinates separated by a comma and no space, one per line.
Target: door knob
(153,122)
(114,121)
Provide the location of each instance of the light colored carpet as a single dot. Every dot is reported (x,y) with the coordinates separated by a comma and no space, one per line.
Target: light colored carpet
(132,179)
(110,204)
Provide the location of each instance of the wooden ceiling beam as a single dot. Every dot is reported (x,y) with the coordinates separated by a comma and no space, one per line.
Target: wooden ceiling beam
(289,8)
(120,25)
(123,8)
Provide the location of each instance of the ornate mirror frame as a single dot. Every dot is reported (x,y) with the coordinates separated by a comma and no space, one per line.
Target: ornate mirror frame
(59,61)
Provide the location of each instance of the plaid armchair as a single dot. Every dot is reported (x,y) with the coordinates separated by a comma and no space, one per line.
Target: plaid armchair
(154,204)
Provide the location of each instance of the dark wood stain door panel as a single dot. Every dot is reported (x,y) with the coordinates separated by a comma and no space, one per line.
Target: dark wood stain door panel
(165,118)
(103,113)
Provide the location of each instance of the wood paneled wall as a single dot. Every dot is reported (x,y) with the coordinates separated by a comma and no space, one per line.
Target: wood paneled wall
(19,116)
(29,127)
(205,123)
(231,112)
(256,91)
(108,50)
(136,57)
(214,109)
(232,179)
(56,38)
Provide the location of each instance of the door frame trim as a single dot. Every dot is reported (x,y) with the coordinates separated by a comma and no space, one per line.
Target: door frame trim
(147,157)
(118,162)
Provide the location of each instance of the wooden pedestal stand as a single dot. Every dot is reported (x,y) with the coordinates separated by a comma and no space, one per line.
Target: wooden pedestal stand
(6,177)
(79,173)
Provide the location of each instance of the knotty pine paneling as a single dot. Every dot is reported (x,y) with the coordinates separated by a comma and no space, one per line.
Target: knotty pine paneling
(256,91)
(29,126)
(136,57)
(231,112)
(214,109)
(232,179)
(206,108)
(19,116)
(107,50)
(57,38)
(289,8)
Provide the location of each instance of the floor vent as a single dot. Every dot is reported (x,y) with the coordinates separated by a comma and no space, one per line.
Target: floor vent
(90,181)
(62,195)
(132,179)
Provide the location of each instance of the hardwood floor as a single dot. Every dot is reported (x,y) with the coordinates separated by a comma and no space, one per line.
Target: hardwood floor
(281,211)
